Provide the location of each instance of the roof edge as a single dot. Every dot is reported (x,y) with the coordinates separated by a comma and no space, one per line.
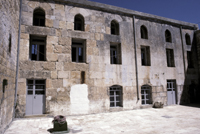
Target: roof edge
(111,8)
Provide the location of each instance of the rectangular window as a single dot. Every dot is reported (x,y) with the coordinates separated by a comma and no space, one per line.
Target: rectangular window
(145,56)
(146,95)
(116,96)
(78,51)
(189,59)
(115,54)
(170,57)
(37,48)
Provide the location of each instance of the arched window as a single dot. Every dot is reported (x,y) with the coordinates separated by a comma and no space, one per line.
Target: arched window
(79,23)
(168,37)
(5,82)
(144,32)
(187,39)
(39,17)
(146,94)
(114,27)
(116,96)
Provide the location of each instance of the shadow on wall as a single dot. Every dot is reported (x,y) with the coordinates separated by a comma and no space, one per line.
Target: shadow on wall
(191,90)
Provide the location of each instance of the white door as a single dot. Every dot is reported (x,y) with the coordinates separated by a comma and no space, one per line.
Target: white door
(35,97)
(171,92)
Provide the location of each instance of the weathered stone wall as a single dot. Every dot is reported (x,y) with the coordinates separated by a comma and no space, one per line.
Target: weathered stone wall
(9,12)
(61,74)
(158,73)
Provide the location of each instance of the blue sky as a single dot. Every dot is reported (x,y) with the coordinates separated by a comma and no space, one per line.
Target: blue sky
(183,10)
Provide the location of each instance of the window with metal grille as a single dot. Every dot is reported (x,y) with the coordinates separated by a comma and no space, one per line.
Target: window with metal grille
(144,32)
(114,27)
(37,48)
(116,96)
(35,87)
(115,54)
(170,57)
(78,51)
(39,17)
(187,39)
(189,59)
(145,56)
(146,95)
(79,22)
(168,37)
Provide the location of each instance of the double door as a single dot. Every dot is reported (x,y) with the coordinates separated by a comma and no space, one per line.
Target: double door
(171,92)
(35,97)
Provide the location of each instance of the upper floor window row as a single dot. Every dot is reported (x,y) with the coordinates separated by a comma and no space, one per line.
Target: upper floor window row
(144,34)
(79,24)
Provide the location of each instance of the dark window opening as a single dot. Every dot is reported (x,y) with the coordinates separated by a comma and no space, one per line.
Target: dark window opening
(146,95)
(115,54)
(78,52)
(10,43)
(116,96)
(79,22)
(5,83)
(187,39)
(82,77)
(144,32)
(145,56)
(38,48)
(168,37)
(190,59)
(39,17)
(114,27)
(170,57)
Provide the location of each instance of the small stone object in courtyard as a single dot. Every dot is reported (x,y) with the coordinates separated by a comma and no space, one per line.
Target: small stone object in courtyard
(59,124)
(158,105)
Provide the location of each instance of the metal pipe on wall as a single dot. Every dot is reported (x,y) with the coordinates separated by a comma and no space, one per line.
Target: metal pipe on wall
(17,65)
(135,47)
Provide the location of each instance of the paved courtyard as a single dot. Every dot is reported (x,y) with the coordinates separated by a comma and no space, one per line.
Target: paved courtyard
(169,120)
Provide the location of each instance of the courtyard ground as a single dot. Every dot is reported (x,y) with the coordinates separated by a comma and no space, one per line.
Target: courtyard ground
(175,119)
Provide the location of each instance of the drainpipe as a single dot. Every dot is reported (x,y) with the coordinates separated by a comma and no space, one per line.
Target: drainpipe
(183,51)
(135,46)
(17,66)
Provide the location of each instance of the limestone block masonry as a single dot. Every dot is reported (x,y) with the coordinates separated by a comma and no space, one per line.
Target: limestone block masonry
(9,12)
(79,58)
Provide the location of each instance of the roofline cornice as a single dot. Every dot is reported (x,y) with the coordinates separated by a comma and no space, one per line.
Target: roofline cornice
(115,9)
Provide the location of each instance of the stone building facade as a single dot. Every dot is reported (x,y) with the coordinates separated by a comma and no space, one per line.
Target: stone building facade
(79,57)
(9,13)
(83,57)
